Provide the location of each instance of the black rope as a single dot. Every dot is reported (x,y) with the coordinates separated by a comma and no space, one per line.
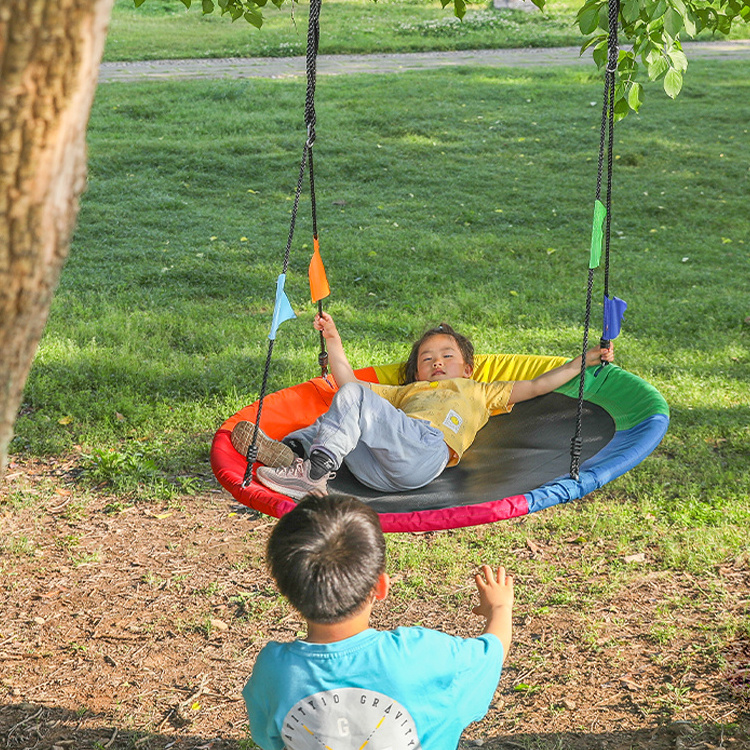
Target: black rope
(606,142)
(313,36)
(323,354)
(613,54)
(313,39)
(576,443)
(312,196)
(252,449)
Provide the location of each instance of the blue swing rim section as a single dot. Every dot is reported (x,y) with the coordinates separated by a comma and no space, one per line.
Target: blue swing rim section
(624,452)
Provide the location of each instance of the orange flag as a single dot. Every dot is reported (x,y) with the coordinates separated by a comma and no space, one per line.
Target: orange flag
(318,282)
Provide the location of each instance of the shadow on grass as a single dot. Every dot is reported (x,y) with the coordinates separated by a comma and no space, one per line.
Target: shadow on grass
(684,735)
(26,725)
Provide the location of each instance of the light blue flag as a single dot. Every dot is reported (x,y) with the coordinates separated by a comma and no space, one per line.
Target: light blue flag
(282,310)
(614,309)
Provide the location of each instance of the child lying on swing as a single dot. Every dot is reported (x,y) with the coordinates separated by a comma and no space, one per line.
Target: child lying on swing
(397,437)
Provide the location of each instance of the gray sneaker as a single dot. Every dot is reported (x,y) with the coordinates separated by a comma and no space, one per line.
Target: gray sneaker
(270,452)
(294,481)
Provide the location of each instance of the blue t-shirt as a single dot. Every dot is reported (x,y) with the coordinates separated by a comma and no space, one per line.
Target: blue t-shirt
(408,688)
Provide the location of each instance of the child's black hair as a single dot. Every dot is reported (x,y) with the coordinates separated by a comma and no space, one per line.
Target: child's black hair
(326,556)
(408,371)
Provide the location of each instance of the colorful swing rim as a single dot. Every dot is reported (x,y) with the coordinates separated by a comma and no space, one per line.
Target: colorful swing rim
(639,412)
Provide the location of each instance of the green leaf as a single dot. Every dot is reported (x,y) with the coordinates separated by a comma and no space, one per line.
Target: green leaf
(680,7)
(679,59)
(138,3)
(659,9)
(626,63)
(703,18)
(690,25)
(635,97)
(588,18)
(673,24)
(459,8)
(652,55)
(208,6)
(641,46)
(600,54)
(673,82)
(621,109)
(187,3)
(657,68)
(254,18)
(594,40)
(630,10)
(604,17)
(724,25)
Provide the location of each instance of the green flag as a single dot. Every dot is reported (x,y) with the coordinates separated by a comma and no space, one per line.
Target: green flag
(597,234)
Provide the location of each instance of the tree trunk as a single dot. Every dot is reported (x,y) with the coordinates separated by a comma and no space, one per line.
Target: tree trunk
(49,59)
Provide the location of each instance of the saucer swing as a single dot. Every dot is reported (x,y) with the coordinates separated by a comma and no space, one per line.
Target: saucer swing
(520,462)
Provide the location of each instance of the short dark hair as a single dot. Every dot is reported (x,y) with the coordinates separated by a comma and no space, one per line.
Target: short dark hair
(326,556)
(408,371)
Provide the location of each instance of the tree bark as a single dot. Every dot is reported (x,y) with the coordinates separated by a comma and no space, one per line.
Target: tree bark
(49,59)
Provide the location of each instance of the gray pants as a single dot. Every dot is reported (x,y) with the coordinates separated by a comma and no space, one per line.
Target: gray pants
(382,446)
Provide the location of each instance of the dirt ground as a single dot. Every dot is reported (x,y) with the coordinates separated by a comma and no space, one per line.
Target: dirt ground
(136,626)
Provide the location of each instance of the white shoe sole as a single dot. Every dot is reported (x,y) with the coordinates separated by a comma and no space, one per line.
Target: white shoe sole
(267,478)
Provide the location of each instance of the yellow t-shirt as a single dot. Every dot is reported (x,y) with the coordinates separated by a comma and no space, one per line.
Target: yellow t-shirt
(458,407)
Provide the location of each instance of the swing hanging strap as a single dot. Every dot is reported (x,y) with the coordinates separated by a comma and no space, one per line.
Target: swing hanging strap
(313,36)
(313,39)
(602,219)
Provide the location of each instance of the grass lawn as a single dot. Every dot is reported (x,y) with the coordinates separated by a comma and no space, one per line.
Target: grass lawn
(164,29)
(460,195)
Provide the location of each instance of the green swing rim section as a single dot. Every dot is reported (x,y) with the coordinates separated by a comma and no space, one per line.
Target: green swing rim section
(628,399)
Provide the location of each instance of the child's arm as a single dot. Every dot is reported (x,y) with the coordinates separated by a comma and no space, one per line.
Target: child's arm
(523,390)
(340,367)
(496,604)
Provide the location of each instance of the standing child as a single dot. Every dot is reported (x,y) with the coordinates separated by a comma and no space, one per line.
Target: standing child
(349,686)
(396,438)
